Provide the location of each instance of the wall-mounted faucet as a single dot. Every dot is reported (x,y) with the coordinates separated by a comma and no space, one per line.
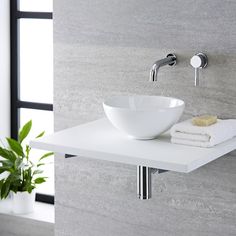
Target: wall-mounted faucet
(198,61)
(170,60)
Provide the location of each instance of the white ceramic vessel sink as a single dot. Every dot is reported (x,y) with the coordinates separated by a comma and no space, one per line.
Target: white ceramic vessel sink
(143,117)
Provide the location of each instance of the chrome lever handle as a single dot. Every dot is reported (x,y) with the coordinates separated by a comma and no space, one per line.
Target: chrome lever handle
(196,77)
(198,61)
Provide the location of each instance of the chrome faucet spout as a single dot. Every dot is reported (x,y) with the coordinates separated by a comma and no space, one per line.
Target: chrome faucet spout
(169,60)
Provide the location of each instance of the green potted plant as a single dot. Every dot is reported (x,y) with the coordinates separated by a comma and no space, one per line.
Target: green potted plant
(22,172)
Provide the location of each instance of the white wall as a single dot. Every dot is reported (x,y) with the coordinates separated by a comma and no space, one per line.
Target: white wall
(4,68)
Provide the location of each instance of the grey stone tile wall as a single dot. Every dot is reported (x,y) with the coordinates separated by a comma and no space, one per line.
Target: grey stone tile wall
(106,47)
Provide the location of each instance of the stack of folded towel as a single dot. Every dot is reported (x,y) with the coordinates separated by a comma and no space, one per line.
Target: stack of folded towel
(203,136)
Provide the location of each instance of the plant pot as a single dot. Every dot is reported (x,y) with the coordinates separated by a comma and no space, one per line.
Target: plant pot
(23,202)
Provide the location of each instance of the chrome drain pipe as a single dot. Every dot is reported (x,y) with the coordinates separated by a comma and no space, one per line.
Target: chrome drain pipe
(144,181)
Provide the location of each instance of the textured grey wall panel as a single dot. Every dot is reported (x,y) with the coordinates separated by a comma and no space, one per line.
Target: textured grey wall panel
(105,48)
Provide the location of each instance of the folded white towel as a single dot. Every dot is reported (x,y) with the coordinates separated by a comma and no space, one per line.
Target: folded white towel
(207,136)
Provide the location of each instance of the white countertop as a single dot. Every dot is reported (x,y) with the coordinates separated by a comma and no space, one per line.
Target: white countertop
(100,140)
(42,211)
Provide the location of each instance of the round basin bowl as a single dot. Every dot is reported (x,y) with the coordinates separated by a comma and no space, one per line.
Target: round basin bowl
(143,117)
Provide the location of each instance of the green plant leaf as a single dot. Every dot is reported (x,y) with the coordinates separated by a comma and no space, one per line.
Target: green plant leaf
(6,163)
(40,164)
(25,131)
(37,172)
(30,188)
(5,189)
(40,135)
(3,186)
(3,169)
(15,176)
(40,180)
(15,146)
(18,163)
(46,155)
(27,150)
(7,154)
(1,183)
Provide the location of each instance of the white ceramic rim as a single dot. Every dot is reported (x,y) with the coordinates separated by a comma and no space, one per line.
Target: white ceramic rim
(107,101)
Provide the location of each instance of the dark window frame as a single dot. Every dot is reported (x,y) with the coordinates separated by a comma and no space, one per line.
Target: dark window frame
(16,103)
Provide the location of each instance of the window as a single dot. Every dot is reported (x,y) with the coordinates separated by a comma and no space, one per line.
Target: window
(32,75)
